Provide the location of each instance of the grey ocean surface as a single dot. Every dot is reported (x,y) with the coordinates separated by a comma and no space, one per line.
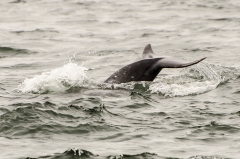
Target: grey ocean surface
(55,55)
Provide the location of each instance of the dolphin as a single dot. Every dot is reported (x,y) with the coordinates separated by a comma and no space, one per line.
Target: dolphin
(148,68)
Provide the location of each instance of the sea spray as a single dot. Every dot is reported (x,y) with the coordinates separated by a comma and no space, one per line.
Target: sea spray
(56,80)
(191,81)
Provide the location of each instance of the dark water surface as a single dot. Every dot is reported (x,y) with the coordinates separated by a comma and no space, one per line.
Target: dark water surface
(55,55)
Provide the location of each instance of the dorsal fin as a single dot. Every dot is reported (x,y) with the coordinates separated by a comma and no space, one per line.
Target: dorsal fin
(148,52)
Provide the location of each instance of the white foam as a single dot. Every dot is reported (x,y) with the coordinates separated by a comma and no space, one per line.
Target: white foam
(57,80)
(173,90)
(193,80)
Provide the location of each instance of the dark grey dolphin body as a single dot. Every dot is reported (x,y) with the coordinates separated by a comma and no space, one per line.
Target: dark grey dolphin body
(148,68)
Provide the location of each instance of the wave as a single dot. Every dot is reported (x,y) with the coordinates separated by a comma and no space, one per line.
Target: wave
(70,153)
(35,119)
(80,153)
(35,31)
(18,1)
(10,51)
(215,127)
(193,80)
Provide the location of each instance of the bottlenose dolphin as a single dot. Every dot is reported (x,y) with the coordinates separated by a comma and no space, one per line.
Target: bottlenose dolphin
(148,68)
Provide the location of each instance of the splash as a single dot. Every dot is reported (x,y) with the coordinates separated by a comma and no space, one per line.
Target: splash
(57,80)
(193,80)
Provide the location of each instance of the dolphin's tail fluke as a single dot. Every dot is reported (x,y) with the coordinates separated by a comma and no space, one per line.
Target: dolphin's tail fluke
(175,63)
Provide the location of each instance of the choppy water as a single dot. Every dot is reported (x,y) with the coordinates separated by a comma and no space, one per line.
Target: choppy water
(55,55)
